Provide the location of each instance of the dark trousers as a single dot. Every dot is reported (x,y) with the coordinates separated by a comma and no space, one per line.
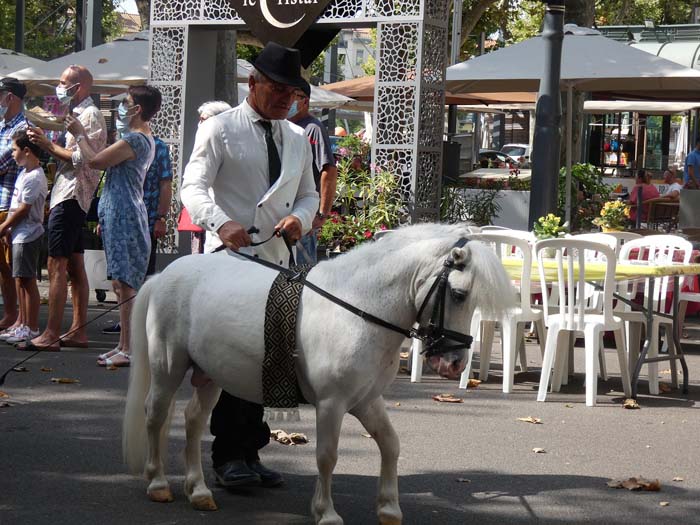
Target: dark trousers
(238,429)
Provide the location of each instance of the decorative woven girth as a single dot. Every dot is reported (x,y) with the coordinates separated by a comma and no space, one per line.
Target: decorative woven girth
(281,394)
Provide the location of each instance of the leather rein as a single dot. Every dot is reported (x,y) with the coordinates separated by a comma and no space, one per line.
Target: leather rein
(437,340)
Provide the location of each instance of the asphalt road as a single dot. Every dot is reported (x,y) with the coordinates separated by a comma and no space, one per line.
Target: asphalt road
(60,453)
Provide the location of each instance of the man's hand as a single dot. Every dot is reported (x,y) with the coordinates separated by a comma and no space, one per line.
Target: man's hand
(291,226)
(74,126)
(159,229)
(234,235)
(318,222)
(37,136)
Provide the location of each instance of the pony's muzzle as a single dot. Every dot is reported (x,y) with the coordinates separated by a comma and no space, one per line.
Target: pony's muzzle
(449,365)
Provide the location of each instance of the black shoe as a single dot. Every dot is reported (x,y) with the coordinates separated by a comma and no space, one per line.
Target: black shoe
(268,478)
(236,473)
(115,329)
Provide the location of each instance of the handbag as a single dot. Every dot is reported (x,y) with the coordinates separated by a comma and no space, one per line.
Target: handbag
(91,215)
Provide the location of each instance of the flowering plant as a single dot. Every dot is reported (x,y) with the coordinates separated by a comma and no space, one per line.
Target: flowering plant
(368,202)
(548,227)
(614,215)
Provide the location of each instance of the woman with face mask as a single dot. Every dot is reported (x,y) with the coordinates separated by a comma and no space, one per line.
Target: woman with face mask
(122,212)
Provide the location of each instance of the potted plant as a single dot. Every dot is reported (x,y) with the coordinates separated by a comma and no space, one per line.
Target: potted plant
(549,227)
(614,216)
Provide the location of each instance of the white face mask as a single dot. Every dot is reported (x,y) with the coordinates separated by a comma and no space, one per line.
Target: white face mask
(63,95)
(3,111)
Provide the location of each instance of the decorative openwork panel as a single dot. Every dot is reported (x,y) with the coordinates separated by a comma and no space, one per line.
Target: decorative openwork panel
(432,108)
(175,10)
(398,52)
(428,180)
(437,11)
(168,54)
(219,10)
(434,55)
(400,163)
(394,8)
(169,243)
(343,9)
(167,122)
(395,117)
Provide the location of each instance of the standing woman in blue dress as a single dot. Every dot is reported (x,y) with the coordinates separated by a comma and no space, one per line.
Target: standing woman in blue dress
(122,212)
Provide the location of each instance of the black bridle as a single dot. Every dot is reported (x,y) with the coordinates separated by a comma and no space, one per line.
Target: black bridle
(437,340)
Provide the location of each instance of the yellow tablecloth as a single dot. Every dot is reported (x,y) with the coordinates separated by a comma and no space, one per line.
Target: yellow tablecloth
(595,271)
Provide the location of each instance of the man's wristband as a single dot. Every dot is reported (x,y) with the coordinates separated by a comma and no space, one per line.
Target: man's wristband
(321,216)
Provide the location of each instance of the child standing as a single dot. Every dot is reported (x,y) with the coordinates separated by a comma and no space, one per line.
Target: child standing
(25,225)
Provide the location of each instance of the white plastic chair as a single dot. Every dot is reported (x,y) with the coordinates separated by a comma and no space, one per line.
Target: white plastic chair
(507,244)
(572,316)
(493,227)
(654,249)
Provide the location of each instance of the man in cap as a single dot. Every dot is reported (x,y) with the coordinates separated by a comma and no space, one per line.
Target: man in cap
(12,93)
(325,172)
(71,196)
(251,167)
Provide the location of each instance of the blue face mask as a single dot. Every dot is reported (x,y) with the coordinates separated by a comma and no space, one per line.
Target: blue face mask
(122,121)
(293,110)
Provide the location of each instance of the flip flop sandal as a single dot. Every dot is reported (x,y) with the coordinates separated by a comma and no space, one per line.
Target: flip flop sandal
(31,347)
(112,352)
(72,343)
(110,362)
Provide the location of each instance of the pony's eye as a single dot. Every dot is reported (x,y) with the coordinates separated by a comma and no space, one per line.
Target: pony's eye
(458,296)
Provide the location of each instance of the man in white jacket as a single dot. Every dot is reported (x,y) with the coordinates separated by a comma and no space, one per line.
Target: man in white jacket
(251,167)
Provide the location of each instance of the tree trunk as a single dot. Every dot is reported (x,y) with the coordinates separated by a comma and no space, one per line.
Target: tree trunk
(581,13)
(471,15)
(144,9)
(226,67)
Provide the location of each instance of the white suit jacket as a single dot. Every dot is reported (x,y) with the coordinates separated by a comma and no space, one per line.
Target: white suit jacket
(227,179)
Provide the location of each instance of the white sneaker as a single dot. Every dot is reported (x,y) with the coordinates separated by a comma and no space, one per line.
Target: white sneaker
(9,332)
(20,335)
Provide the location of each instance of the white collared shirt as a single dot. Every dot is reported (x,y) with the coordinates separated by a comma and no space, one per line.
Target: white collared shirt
(230,159)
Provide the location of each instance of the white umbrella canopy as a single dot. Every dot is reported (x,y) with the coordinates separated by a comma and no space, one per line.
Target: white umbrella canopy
(590,62)
(11,61)
(320,98)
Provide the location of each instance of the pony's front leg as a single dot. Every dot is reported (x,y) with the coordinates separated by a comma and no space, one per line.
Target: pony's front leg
(196,413)
(374,418)
(328,421)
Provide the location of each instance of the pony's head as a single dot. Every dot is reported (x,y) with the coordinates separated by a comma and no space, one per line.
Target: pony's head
(474,278)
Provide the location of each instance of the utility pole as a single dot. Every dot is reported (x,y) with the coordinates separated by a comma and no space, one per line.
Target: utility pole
(88,24)
(330,74)
(547,141)
(454,58)
(19,25)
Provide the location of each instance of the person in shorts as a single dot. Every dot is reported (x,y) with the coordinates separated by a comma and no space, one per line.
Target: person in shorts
(24,225)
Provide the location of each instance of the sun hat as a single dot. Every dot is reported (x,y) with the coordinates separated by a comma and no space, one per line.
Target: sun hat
(281,64)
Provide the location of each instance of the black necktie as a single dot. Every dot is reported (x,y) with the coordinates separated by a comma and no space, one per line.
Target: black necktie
(273,156)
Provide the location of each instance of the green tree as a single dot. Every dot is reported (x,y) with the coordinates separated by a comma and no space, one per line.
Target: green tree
(635,12)
(50,26)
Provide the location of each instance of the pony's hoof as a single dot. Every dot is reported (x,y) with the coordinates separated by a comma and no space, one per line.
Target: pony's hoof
(205,503)
(161,495)
(390,520)
(390,516)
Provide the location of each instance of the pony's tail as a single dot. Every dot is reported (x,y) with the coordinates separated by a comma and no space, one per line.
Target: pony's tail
(134,440)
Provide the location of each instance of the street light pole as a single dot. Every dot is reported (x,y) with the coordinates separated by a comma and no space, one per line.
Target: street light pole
(19,25)
(547,140)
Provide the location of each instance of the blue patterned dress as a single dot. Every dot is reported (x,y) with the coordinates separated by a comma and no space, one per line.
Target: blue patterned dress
(123,217)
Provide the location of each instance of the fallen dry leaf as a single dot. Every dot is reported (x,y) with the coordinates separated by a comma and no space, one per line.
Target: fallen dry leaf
(678,478)
(103,61)
(404,370)
(295,438)
(664,503)
(4,394)
(5,404)
(397,404)
(666,372)
(630,404)
(112,367)
(20,369)
(635,484)
(463,480)
(366,435)
(404,355)
(530,419)
(46,369)
(473,383)
(664,388)
(448,398)
(538,450)
(64,380)
(569,405)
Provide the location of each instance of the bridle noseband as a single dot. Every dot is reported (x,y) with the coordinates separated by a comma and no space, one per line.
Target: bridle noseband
(434,335)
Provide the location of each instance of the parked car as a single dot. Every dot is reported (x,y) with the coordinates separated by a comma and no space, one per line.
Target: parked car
(521,152)
(496,159)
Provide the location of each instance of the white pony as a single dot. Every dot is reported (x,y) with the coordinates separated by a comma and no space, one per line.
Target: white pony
(210,311)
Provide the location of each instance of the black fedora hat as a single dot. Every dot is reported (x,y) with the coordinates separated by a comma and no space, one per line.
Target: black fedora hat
(281,64)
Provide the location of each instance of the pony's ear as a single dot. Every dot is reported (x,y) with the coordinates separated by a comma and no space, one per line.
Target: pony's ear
(460,256)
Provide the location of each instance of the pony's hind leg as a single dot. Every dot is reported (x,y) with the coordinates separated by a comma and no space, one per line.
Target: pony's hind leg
(328,422)
(374,418)
(196,413)
(159,402)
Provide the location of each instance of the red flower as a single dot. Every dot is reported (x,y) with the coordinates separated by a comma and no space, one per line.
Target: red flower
(368,234)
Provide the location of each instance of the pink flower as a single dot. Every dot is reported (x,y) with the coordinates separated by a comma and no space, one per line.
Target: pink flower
(368,234)
(344,152)
(382,227)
